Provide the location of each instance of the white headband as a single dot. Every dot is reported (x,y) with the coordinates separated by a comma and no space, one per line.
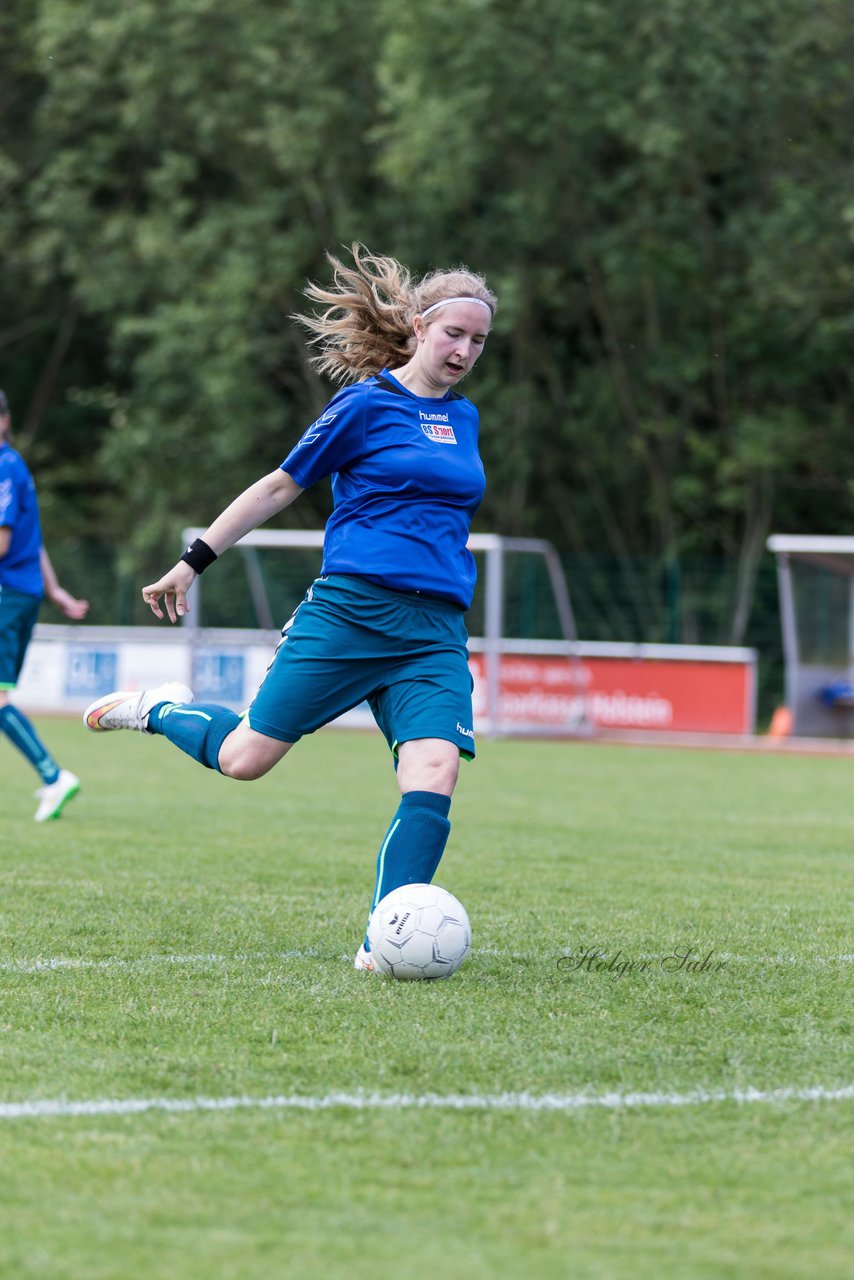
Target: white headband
(445,301)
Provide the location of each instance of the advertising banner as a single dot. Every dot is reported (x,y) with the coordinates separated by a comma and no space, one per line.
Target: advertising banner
(677,694)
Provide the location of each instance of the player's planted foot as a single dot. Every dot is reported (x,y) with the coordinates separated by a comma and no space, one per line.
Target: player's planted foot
(55,796)
(363,960)
(123,710)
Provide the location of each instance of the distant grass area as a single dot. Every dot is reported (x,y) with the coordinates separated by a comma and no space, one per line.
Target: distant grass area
(180,936)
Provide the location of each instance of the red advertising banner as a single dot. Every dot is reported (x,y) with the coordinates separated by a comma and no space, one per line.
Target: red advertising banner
(674,694)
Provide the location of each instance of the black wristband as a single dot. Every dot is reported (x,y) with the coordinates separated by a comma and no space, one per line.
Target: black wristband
(199,555)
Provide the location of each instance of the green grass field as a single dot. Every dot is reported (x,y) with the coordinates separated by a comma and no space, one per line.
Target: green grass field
(180,937)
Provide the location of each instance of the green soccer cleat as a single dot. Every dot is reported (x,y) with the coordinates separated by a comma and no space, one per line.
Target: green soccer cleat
(55,796)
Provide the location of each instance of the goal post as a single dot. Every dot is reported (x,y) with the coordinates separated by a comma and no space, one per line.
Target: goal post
(815,575)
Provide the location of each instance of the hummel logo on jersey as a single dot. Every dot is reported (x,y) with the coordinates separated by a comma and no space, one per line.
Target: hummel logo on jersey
(436,426)
(311,433)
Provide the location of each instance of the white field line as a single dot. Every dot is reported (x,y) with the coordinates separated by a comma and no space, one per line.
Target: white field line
(844,957)
(511,1102)
(57,963)
(46,964)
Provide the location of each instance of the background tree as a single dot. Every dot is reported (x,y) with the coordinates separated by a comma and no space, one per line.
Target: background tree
(659,187)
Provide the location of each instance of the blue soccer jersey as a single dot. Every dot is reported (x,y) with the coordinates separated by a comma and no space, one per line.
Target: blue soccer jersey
(406,481)
(20,568)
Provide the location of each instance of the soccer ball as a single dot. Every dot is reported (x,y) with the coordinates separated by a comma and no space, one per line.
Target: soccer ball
(419,931)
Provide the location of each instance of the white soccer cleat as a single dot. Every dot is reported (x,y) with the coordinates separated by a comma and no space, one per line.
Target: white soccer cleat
(363,960)
(131,710)
(55,796)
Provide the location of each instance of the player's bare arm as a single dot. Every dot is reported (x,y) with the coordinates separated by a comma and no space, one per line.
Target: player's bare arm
(257,504)
(68,604)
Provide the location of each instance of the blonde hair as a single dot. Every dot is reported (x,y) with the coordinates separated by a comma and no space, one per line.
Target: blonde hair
(367,324)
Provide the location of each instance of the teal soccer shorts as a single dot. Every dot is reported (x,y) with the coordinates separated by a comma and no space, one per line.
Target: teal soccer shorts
(350,641)
(18,614)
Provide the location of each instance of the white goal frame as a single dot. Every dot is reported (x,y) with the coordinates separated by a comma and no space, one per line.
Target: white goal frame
(807,679)
(492,644)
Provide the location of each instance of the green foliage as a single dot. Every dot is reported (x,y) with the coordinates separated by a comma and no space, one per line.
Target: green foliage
(660,185)
(658,191)
(214,152)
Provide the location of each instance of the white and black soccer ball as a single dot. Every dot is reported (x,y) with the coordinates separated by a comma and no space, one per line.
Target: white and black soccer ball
(419,931)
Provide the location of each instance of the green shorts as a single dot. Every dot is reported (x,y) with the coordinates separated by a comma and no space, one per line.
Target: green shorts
(18,615)
(350,641)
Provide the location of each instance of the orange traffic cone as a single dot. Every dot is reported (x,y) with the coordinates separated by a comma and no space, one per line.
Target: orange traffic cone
(781,723)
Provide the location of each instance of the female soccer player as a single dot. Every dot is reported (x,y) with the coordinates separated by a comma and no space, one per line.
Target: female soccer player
(384,621)
(26,577)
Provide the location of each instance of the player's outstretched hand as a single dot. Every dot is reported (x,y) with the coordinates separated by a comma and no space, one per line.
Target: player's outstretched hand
(69,605)
(173,587)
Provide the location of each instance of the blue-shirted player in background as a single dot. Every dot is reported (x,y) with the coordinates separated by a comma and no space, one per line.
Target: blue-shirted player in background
(26,576)
(385,619)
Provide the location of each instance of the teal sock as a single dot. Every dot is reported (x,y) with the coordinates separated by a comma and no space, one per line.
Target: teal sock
(22,735)
(197,728)
(414,843)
